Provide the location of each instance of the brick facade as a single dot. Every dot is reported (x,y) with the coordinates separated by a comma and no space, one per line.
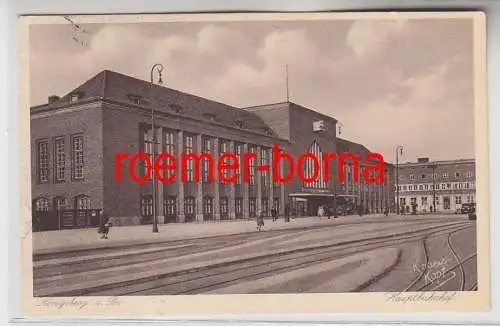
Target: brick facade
(112,112)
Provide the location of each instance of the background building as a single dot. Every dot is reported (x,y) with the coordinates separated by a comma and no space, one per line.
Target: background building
(448,184)
(75,139)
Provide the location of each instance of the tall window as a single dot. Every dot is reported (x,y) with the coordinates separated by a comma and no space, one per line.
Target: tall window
(41,204)
(238,154)
(208,207)
(224,148)
(251,166)
(276,203)
(168,140)
(83,202)
(189,207)
(264,160)
(169,205)
(224,207)
(77,156)
(147,206)
(189,150)
(252,207)
(43,161)
(265,206)
(60,159)
(59,203)
(208,145)
(238,207)
(309,168)
(458,199)
(147,137)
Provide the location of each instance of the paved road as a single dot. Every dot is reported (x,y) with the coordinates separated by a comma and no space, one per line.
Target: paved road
(429,253)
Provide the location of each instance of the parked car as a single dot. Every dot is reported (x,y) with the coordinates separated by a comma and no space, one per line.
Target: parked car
(472,213)
(468,208)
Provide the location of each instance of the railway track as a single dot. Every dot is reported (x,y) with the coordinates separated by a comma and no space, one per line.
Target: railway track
(80,264)
(449,273)
(206,280)
(224,238)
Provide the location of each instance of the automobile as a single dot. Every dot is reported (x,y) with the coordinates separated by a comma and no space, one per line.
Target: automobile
(468,208)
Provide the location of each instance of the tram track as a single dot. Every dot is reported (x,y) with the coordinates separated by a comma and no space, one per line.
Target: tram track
(451,271)
(200,281)
(75,265)
(73,252)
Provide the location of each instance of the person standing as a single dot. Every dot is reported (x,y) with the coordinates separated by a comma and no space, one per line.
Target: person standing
(260,221)
(287,213)
(105,225)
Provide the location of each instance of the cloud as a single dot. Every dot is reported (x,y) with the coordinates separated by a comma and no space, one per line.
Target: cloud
(368,37)
(388,81)
(427,121)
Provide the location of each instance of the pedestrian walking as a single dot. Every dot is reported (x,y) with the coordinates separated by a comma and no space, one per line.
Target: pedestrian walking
(260,221)
(104,226)
(329,212)
(320,211)
(274,213)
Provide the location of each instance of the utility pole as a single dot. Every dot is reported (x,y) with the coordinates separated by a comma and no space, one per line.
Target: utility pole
(433,167)
(399,149)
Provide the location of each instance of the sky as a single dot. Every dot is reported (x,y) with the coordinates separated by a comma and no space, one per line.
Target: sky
(388,82)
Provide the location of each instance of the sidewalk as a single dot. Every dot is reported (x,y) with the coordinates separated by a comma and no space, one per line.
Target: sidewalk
(120,236)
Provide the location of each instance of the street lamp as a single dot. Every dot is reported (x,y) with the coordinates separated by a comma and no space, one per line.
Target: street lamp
(399,150)
(433,167)
(159,68)
(335,214)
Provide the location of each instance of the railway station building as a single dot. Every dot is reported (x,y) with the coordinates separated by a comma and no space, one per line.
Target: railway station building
(75,139)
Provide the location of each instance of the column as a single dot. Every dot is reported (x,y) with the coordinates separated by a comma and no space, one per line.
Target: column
(387,190)
(380,197)
(216,198)
(246,212)
(199,185)
(232,187)
(180,185)
(160,212)
(282,190)
(370,198)
(270,179)
(258,176)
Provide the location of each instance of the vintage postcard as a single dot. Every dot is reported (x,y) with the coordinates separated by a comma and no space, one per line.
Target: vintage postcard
(214,164)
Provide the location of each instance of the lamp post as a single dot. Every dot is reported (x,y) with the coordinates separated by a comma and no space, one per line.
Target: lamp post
(433,167)
(159,68)
(335,214)
(399,149)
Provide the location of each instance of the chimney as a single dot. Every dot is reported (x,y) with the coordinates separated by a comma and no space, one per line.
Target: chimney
(423,160)
(53,98)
